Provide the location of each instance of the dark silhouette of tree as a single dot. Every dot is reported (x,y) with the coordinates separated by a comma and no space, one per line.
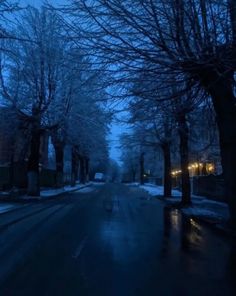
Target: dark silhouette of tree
(196,38)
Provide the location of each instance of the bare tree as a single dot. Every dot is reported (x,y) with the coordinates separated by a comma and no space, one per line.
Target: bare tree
(33,83)
(193,37)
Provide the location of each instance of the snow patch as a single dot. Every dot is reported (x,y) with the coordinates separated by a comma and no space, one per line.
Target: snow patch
(98,183)
(191,211)
(86,190)
(132,184)
(6,208)
(152,190)
(66,189)
(155,190)
(201,206)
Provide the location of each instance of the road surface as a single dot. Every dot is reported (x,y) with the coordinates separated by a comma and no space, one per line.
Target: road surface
(114,241)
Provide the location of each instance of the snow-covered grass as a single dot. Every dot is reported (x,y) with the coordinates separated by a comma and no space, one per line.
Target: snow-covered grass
(201,206)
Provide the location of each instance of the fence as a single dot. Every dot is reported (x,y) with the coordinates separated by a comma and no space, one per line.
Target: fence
(16,175)
(210,186)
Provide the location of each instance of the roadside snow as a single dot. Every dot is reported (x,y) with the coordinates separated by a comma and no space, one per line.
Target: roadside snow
(98,183)
(55,192)
(208,209)
(154,190)
(200,212)
(132,184)
(201,206)
(86,190)
(45,194)
(6,207)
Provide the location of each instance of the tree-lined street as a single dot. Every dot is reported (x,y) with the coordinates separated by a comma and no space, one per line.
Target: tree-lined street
(117,147)
(112,241)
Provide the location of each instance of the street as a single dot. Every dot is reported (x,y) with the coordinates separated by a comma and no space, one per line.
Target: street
(113,241)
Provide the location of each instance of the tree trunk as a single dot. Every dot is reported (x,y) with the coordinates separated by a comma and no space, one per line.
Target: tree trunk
(33,164)
(59,151)
(82,170)
(167,169)
(87,169)
(133,176)
(184,159)
(12,179)
(142,168)
(225,108)
(74,166)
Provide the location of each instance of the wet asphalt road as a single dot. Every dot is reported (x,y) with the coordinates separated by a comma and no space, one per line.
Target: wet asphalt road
(111,242)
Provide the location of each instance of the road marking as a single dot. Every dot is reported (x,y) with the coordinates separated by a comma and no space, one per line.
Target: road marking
(80,248)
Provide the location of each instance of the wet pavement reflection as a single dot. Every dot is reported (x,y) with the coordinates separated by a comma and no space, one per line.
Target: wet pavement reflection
(205,261)
(149,249)
(119,242)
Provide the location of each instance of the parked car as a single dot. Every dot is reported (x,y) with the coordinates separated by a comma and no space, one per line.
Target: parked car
(99,177)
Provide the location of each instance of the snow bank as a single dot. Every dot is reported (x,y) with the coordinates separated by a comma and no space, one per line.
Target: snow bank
(132,184)
(66,189)
(86,190)
(98,183)
(201,212)
(6,207)
(155,190)
(152,189)
(201,206)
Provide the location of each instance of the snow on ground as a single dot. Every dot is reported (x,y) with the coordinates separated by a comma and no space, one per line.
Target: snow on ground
(132,184)
(204,207)
(200,212)
(152,189)
(201,206)
(155,190)
(86,190)
(55,192)
(47,193)
(209,209)
(98,183)
(6,207)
